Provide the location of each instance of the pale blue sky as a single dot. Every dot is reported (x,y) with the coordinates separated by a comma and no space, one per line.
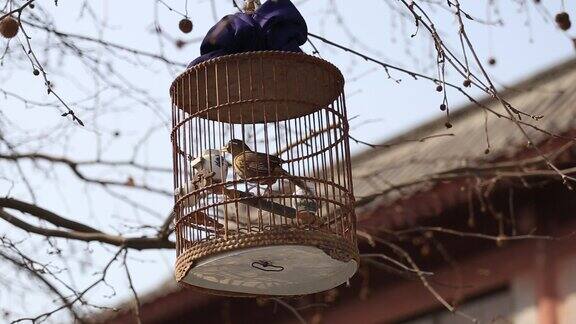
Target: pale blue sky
(396,107)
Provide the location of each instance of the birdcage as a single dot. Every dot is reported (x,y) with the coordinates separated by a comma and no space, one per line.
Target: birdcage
(263,185)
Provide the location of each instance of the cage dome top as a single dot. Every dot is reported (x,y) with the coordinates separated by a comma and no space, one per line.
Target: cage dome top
(252,70)
(257,87)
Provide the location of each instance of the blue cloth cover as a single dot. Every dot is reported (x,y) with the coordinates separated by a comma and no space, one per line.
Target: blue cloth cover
(277,25)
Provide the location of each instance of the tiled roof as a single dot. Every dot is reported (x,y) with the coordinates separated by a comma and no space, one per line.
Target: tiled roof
(551,93)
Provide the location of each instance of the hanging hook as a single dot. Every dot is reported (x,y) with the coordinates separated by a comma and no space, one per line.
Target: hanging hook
(266,266)
(251,5)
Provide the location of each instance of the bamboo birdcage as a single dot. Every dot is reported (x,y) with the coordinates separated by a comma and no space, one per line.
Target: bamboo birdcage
(290,232)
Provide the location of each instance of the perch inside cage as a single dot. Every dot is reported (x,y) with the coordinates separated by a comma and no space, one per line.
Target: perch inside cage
(262,175)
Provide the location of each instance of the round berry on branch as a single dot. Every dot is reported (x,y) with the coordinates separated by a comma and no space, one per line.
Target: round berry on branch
(185,25)
(563,21)
(9,27)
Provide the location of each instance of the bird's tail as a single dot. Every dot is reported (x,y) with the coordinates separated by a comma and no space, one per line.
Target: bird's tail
(307,207)
(299,183)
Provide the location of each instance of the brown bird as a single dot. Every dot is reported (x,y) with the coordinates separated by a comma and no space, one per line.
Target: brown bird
(250,164)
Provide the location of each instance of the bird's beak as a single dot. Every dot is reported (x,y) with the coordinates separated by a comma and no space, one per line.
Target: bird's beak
(224,148)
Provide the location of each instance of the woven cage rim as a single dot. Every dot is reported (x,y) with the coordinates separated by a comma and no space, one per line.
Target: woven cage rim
(186,261)
(248,55)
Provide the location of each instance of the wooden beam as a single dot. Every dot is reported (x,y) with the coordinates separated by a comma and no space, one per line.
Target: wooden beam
(479,274)
(545,278)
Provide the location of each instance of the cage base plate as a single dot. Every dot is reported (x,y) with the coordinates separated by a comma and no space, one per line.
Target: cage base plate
(292,270)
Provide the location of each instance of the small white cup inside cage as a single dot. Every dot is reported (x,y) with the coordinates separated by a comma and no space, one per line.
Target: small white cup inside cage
(306,208)
(213,161)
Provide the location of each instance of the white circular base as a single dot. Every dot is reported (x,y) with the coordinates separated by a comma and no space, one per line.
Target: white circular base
(304,270)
